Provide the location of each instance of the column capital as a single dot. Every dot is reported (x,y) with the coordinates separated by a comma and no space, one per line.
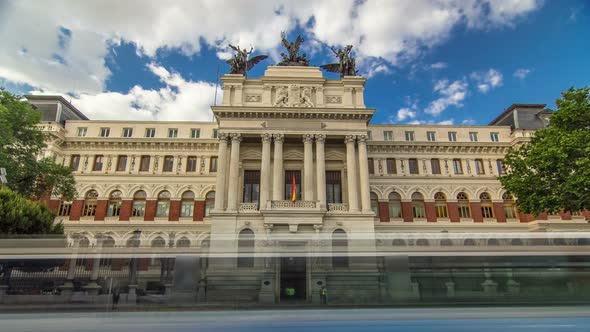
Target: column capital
(320,138)
(222,136)
(266,137)
(236,137)
(349,139)
(362,139)
(278,137)
(308,138)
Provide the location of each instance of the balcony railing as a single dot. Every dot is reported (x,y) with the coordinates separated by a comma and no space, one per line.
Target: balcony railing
(293,205)
(248,207)
(337,207)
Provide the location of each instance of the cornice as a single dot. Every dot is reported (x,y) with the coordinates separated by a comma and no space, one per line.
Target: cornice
(293,113)
(116,144)
(434,147)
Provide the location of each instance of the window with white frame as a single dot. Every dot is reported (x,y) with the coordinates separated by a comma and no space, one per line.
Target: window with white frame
(452,136)
(150,132)
(431,136)
(473,136)
(195,133)
(494,137)
(104,132)
(409,135)
(127,132)
(388,135)
(172,132)
(81,132)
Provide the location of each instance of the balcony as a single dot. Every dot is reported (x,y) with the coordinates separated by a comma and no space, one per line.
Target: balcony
(336,208)
(248,208)
(289,205)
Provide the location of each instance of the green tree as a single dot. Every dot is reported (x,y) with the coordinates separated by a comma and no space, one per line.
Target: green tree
(552,171)
(19,215)
(21,144)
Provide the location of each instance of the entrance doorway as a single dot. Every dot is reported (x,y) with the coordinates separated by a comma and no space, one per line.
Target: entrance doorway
(293,279)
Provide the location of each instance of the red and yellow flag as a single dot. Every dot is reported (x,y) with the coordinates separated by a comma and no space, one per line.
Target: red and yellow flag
(293,189)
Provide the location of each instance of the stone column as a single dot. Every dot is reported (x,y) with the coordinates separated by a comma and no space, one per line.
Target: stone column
(68,286)
(265,171)
(308,167)
(277,172)
(320,140)
(221,173)
(234,172)
(364,173)
(92,287)
(353,204)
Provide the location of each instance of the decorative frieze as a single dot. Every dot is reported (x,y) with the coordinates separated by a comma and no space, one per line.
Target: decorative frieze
(333,99)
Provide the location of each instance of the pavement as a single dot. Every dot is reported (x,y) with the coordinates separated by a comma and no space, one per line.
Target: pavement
(538,319)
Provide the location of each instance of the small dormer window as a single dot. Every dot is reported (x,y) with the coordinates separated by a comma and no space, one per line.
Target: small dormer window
(127,132)
(173,132)
(473,136)
(388,135)
(81,132)
(104,132)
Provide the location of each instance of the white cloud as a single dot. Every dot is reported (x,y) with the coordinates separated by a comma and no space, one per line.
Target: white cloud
(439,65)
(178,100)
(468,122)
(452,94)
(447,122)
(522,73)
(487,80)
(405,113)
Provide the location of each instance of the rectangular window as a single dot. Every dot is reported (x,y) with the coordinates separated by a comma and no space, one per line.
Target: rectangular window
(138,209)
(195,133)
(163,209)
(391,167)
(213,164)
(479,169)
(187,208)
(413,165)
(191,164)
(487,211)
(114,208)
(127,132)
(81,132)
(464,211)
(369,135)
(510,211)
(121,163)
(501,169)
(288,184)
(104,132)
(75,162)
(168,164)
(172,132)
(333,187)
(388,135)
(435,165)
(418,210)
(494,137)
(64,209)
(473,136)
(215,133)
(150,132)
(431,136)
(452,136)
(371,165)
(409,135)
(458,166)
(251,187)
(97,163)
(144,165)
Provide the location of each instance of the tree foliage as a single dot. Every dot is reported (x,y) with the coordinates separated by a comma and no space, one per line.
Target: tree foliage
(552,172)
(21,144)
(19,215)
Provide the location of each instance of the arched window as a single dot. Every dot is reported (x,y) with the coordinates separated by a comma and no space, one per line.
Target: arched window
(163,208)
(114,204)
(139,203)
(187,205)
(209,203)
(421,242)
(516,242)
(90,203)
(374,203)
(463,205)
(246,242)
(108,242)
(183,242)
(398,242)
(84,242)
(446,242)
(487,209)
(339,249)
(509,206)
(158,242)
(493,242)
(395,205)
(418,205)
(440,203)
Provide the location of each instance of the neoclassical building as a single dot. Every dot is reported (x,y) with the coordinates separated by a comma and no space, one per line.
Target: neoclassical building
(227,186)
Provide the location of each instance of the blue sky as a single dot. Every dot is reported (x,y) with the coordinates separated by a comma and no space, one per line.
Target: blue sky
(452,62)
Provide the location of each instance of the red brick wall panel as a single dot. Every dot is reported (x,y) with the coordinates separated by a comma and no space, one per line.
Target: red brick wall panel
(566,216)
(384,212)
(199,212)
(150,210)
(499,212)
(174,214)
(453,211)
(76,210)
(430,211)
(54,205)
(126,207)
(101,209)
(407,212)
(476,212)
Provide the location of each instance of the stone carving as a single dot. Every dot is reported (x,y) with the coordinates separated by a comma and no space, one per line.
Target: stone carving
(240,64)
(282,97)
(347,64)
(293,58)
(333,100)
(305,100)
(253,98)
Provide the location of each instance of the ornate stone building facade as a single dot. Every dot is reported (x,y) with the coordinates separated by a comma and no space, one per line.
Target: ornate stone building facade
(227,185)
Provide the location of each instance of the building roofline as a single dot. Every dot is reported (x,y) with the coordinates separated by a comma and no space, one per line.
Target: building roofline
(61,100)
(512,107)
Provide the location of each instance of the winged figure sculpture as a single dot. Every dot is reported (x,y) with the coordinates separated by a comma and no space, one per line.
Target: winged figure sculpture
(240,62)
(346,65)
(292,58)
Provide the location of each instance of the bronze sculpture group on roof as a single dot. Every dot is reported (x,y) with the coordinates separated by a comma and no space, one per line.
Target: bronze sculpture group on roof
(241,64)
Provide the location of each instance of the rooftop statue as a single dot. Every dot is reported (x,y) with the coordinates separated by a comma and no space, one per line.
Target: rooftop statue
(347,64)
(293,58)
(240,64)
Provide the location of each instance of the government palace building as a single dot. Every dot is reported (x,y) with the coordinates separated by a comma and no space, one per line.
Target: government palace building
(290,188)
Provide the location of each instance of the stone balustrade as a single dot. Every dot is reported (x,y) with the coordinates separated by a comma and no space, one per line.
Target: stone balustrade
(294,205)
(337,207)
(248,208)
